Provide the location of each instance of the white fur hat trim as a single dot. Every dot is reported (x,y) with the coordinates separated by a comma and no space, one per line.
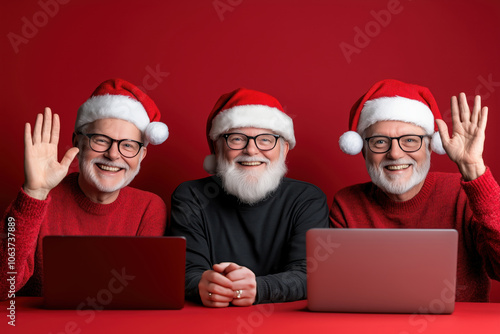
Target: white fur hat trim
(121,107)
(257,116)
(395,108)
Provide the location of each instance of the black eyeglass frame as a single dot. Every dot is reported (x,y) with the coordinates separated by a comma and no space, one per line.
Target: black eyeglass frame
(399,143)
(118,141)
(226,136)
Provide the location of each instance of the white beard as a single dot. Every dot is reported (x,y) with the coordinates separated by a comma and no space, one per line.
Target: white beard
(250,187)
(88,173)
(393,185)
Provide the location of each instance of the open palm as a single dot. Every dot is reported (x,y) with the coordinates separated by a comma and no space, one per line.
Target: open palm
(42,170)
(466,144)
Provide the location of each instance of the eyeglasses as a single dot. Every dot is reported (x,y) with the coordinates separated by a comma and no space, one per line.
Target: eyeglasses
(101,143)
(239,141)
(407,143)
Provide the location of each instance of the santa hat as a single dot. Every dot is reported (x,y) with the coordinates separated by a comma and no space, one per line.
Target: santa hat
(246,108)
(392,100)
(117,98)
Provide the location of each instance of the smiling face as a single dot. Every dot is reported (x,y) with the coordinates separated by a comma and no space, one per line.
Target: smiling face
(102,175)
(251,158)
(251,174)
(399,174)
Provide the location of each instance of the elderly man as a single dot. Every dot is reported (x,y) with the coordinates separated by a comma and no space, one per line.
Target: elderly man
(393,125)
(112,130)
(245,227)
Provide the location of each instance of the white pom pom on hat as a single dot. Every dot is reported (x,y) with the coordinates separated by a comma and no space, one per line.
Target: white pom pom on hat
(246,108)
(118,98)
(351,143)
(392,100)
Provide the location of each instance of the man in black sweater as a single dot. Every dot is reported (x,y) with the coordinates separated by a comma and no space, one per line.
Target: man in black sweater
(245,226)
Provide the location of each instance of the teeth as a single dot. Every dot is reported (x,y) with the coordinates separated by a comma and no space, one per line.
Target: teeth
(251,163)
(109,168)
(398,167)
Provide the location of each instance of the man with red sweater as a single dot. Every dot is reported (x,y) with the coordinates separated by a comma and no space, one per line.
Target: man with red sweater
(393,126)
(112,130)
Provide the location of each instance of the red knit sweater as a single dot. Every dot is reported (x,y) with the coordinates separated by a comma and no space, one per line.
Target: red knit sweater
(445,201)
(67,211)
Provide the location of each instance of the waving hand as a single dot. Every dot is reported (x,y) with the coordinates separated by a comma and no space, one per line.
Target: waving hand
(41,167)
(466,144)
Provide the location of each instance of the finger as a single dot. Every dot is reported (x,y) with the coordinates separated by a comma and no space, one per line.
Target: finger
(246,298)
(221,280)
(455,114)
(231,267)
(483,118)
(56,128)
(238,294)
(28,141)
(220,267)
(69,157)
(211,299)
(464,108)
(476,109)
(210,303)
(47,125)
(443,130)
(238,274)
(37,129)
(217,297)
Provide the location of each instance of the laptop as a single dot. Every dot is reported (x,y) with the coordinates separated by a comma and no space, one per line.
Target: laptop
(113,272)
(381,270)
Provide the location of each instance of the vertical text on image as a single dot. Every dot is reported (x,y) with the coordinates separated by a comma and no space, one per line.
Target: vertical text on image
(11,270)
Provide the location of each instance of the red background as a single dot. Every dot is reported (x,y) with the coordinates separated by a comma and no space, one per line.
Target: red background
(54,53)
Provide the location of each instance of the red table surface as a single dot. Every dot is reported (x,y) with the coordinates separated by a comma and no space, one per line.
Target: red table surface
(266,318)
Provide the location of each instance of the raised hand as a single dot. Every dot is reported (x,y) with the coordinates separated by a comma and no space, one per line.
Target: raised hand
(466,144)
(41,168)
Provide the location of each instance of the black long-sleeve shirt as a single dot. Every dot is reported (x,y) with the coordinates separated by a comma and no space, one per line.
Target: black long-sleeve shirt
(267,237)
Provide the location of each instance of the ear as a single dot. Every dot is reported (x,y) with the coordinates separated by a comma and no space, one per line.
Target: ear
(216,146)
(144,152)
(286,148)
(74,139)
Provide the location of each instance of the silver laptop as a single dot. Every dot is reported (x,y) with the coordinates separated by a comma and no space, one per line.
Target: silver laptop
(381,270)
(113,272)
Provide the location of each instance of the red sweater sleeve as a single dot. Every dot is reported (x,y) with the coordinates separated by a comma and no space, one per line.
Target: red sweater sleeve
(19,230)
(484,200)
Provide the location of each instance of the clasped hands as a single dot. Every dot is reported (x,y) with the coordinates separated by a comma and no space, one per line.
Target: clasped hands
(228,283)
